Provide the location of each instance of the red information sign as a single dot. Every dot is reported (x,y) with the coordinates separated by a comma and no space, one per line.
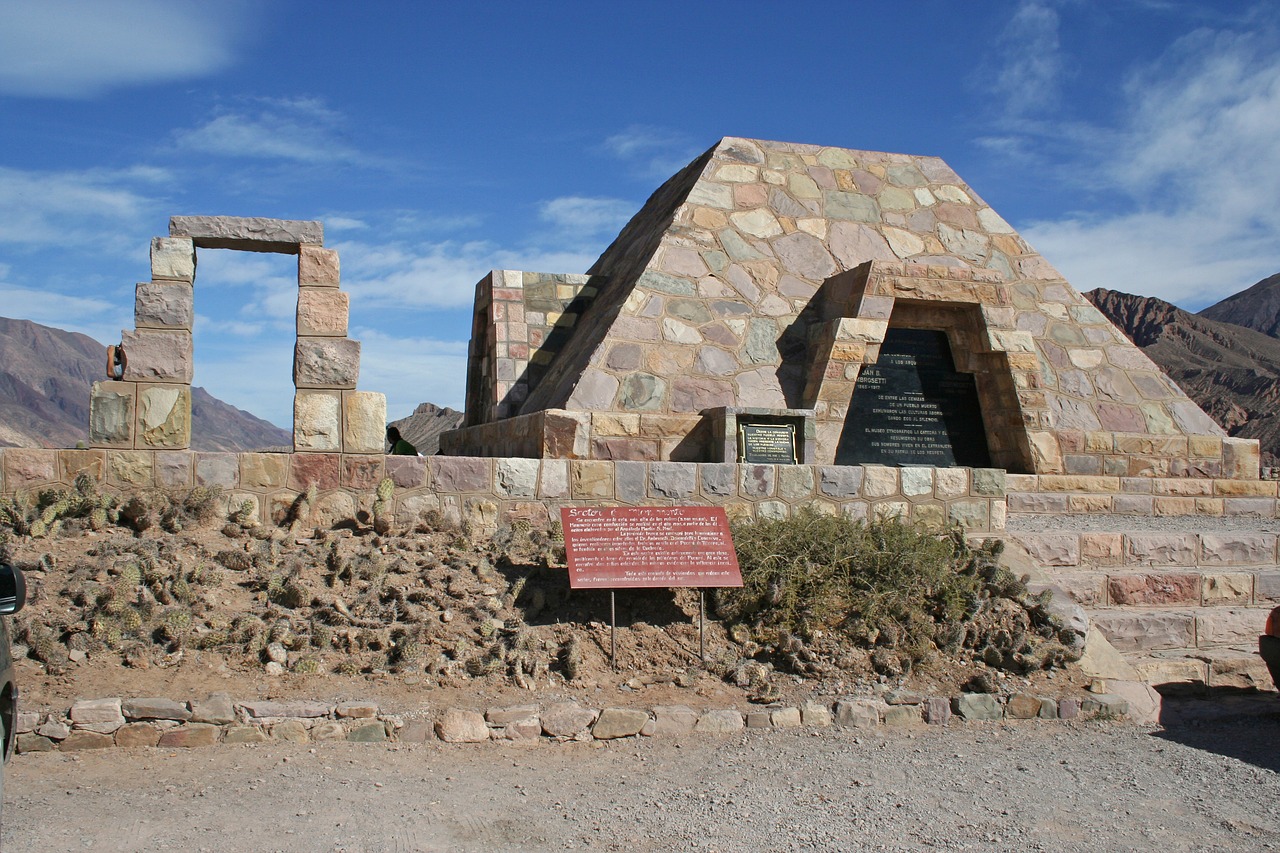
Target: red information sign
(654,546)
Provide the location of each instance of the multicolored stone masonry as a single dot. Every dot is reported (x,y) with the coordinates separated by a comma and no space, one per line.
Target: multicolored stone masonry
(149,407)
(765,275)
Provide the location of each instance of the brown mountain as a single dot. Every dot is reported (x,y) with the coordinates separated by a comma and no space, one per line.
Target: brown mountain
(1256,308)
(1232,372)
(422,429)
(45,375)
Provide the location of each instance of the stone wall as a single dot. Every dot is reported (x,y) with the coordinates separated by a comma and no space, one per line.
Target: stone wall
(486,492)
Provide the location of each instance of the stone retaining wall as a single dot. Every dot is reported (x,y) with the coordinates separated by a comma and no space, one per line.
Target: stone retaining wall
(112,722)
(485,491)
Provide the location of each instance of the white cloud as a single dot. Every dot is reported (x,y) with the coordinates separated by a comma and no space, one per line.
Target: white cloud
(439,275)
(1032,65)
(1195,171)
(94,208)
(655,153)
(587,216)
(302,130)
(410,370)
(71,48)
(97,318)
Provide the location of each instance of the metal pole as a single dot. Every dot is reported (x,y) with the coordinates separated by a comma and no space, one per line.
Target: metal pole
(613,630)
(702,623)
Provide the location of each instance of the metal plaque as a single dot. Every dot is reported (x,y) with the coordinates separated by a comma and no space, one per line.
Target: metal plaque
(768,444)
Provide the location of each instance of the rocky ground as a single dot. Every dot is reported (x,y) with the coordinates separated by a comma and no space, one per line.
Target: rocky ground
(1207,780)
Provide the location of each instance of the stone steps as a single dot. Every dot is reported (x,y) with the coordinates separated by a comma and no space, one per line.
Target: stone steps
(1183,600)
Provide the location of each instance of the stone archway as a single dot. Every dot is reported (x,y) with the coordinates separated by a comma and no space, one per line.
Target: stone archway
(149,407)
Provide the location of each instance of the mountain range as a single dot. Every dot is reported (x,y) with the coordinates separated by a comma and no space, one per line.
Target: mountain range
(45,377)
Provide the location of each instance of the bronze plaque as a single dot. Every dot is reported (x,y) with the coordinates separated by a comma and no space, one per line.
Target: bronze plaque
(767,444)
(649,546)
(912,407)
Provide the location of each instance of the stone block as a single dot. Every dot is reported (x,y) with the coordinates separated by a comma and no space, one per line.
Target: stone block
(718,479)
(407,472)
(1104,706)
(879,481)
(840,481)
(1034,502)
(323,312)
(137,734)
(263,471)
(362,472)
(1023,706)
(247,234)
(1102,549)
(505,716)
(415,731)
(158,355)
(591,479)
(720,722)
(937,711)
(989,482)
(1226,588)
(757,481)
(130,468)
(1154,589)
(1238,671)
(376,732)
(1142,631)
(758,718)
(674,719)
(1241,458)
(173,258)
(917,481)
(673,480)
(25,469)
(173,469)
(318,267)
(1267,587)
(951,482)
(567,719)
(292,731)
(319,469)
(317,421)
(163,305)
(265,709)
(619,722)
(111,414)
(29,742)
(155,709)
(85,739)
(216,709)
(1237,549)
(516,478)
(1051,549)
(1160,549)
(785,718)
(971,515)
(1262,507)
(164,417)
(217,469)
(795,482)
(632,479)
(1225,627)
(244,734)
(898,716)
(817,714)
(364,421)
(97,715)
(460,474)
(73,463)
(977,706)
(326,363)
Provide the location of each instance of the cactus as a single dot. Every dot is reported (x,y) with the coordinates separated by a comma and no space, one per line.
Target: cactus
(181,589)
(382,507)
(294,595)
(275,586)
(347,666)
(98,518)
(176,623)
(307,665)
(130,620)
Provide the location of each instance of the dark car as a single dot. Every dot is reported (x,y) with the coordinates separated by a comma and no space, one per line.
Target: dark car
(13,594)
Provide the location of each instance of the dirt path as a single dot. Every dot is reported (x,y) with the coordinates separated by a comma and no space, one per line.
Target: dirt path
(1203,782)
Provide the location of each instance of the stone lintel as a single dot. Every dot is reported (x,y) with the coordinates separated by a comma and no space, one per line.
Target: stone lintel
(248,234)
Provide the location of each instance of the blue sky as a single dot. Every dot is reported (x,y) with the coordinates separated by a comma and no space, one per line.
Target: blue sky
(1132,142)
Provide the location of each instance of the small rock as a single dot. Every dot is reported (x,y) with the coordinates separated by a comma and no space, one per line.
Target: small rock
(77,656)
(903,697)
(97,715)
(816,714)
(415,731)
(504,716)
(674,719)
(567,719)
(857,713)
(357,710)
(294,731)
(1048,709)
(530,728)
(758,718)
(785,718)
(368,733)
(719,722)
(461,726)
(53,729)
(217,709)
(27,722)
(902,715)
(329,731)
(300,710)
(155,709)
(137,734)
(274,668)
(84,739)
(30,742)
(619,722)
(937,711)
(1068,709)
(1105,706)
(244,734)
(192,734)
(977,706)
(277,653)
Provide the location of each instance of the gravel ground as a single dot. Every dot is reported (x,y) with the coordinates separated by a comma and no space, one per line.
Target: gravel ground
(1208,780)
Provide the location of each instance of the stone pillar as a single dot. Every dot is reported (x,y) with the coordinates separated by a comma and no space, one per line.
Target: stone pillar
(149,408)
(329,415)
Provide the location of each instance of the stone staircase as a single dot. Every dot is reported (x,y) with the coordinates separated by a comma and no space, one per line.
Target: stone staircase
(1182,597)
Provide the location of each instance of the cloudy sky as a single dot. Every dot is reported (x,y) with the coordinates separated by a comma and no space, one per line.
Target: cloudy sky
(1133,142)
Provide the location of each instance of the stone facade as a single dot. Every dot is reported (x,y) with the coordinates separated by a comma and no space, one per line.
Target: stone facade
(149,406)
(764,276)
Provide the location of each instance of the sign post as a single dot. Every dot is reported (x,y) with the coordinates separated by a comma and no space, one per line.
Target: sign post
(649,547)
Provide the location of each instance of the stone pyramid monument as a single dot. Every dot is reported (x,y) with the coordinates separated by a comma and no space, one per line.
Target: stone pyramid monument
(778,283)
